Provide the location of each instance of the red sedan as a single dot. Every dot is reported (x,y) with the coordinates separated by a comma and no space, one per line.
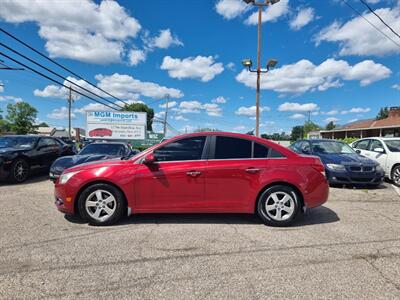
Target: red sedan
(100,132)
(197,173)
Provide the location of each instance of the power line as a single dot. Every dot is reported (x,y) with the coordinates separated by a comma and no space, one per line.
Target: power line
(379,17)
(361,15)
(61,66)
(58,75)
(51,79)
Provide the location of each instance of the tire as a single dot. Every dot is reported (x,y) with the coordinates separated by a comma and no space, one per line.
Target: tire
(20,170)
(396,175)
(278,206)
(102,204)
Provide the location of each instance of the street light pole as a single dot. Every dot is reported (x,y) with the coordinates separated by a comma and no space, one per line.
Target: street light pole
(247,63)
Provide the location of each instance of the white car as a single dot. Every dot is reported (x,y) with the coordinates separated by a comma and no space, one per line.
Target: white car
(386,151)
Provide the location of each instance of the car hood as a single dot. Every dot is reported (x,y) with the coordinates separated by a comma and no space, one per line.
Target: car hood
(9,150)
(66,162)
(346,159)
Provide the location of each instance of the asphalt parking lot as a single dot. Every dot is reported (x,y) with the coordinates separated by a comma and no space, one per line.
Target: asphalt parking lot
(349,248)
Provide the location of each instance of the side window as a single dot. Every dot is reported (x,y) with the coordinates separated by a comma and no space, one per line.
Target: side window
(47,142)
(184,149)
(305,148)
(375,144)
(275,154)
(296,147)
(362,145)
(260,151)
(231,148)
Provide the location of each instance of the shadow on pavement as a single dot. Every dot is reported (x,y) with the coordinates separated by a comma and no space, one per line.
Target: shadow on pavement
(34,178)
(320,215)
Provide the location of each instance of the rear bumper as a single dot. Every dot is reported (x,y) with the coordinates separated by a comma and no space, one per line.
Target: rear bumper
(355,178)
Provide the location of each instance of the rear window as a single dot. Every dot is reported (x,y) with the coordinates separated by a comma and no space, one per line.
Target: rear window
(230,148)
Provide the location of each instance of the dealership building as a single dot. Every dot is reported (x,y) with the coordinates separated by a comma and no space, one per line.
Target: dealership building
(389,127)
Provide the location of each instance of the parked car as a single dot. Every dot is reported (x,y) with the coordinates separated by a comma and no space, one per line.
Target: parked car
(343,165)
(20,154)
(385,151)
(197,173)
(100,132)
(92,152)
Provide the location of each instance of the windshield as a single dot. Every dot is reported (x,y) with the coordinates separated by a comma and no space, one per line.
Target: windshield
(106,149)
(20,142)
(393,145)
(329,147)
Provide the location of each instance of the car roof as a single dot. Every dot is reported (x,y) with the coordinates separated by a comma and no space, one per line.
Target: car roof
(20,135)
(380,138)
(319,140)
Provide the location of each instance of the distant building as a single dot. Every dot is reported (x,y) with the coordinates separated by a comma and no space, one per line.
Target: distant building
(314,135)
(45,131)
(389,127)
(52,131)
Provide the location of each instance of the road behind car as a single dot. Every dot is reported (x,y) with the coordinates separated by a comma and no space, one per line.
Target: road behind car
(349,248)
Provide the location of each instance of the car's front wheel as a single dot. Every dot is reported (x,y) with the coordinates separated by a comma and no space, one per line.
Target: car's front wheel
(278,205)
(102,204)
(20,170)
(396,175)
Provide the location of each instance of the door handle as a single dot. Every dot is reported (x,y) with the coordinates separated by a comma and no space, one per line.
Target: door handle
(253,170)
(193,173)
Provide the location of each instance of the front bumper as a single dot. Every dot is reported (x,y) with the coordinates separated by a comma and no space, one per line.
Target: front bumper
(355,178)
(5,169)
(64,198)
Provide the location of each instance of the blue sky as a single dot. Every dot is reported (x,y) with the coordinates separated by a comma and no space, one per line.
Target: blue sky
(331,62)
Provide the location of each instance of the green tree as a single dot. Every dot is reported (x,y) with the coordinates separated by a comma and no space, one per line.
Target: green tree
(310,126)
(383,113)
(297,133)
(3,123)
(330,126)
(21,117)
(141,107)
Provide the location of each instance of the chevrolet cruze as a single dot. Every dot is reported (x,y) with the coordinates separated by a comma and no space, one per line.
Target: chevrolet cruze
(197,173)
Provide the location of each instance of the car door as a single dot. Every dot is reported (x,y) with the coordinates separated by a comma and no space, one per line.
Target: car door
(48,151)
(380,157)
(175,181)
(231,174)
(361,147)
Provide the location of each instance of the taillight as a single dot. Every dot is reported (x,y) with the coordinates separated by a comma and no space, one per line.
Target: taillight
(320,168)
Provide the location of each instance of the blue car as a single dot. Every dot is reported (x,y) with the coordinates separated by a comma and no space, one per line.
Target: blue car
(342,164)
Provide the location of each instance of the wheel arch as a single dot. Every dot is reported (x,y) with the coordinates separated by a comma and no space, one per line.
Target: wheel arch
(78,195)
(285,183)
(391,170)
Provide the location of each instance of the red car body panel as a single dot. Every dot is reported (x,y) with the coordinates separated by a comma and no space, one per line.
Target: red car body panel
(100,132)
(222,186)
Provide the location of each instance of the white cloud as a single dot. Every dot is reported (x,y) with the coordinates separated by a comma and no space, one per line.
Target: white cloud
(352,120)
(357,37)
(231,66)
(212,109)
(136,57)
(87,31)
(304,76)
(396,87)
(60,113)
(180,118)
(127,87)
(297,116)
(219,99)
(271,14)
(91,106)
(356,110)
(230,9)
(164,40)
(171,104)
(11,98)
(203,68)
(332,112)
(303,17)
(332,119)
(1,87)
(297,107)
(239,128)
(250,111)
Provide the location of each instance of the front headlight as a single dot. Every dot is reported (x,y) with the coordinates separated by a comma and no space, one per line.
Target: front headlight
(336,167)
(66,176)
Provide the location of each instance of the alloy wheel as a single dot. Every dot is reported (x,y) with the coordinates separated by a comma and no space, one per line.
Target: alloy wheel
(20,171)
(280,206)
(100,205)
(396,176)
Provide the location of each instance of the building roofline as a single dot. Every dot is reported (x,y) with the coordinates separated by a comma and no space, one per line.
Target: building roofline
(357,129)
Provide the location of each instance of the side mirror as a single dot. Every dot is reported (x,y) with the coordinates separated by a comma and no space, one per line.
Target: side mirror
(380,150)
(149,159)
(358,151)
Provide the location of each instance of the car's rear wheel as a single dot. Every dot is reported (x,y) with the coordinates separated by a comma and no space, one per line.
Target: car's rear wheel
(278,205)
(102,204)
(20,170)
(396,175)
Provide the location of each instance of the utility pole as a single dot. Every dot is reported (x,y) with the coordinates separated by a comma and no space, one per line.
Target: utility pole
(69,111)
(309,116)
(166,115)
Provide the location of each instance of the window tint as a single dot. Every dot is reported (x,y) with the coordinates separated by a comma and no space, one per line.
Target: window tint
(185,149)
(260,151)
(229,148)
(275,154)
(363,145)
(305,148)
(47,142)
(375,144)
(296,147)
